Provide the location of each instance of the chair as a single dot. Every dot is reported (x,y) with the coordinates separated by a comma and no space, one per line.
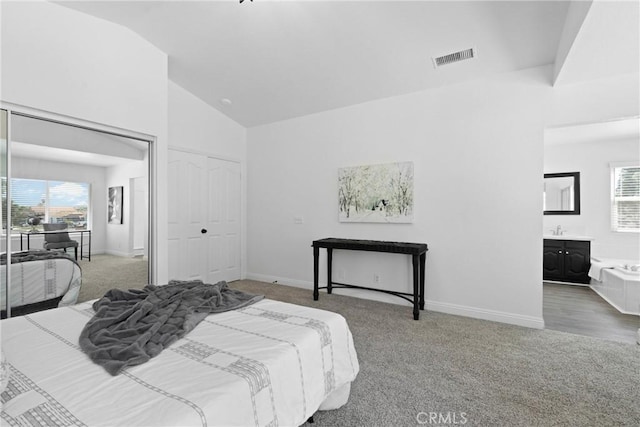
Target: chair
(58,240)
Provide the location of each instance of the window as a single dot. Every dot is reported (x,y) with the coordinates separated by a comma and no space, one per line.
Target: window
(48,201)
(625,207)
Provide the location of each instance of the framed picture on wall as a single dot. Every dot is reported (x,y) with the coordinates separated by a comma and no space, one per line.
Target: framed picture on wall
(376,193)
(115,205)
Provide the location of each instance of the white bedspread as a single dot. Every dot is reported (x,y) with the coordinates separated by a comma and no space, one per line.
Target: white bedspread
(268,364)
(36,281)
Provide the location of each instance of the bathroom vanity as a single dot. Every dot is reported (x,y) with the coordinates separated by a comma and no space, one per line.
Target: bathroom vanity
(566,259)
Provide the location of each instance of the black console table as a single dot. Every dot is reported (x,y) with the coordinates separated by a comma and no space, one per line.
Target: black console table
(418,252)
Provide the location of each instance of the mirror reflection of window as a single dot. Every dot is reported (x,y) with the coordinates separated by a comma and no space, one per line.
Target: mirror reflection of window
(566,198)
(36,201)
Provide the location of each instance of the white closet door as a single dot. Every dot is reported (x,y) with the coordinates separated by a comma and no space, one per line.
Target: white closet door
(186,215)
(223,220)
(204,218)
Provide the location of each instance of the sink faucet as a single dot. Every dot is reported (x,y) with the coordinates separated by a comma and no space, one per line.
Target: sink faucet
(558,231)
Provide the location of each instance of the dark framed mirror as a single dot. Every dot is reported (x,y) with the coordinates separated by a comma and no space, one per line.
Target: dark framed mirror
(562,193)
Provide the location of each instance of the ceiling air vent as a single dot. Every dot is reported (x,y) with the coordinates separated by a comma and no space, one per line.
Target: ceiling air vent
(454,57)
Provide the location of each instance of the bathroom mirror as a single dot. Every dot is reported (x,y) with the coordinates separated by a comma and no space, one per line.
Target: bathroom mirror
(562,193)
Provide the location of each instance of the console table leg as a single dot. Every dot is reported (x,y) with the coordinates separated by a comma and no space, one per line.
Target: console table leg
(416,311)
(329,262)
(423,258)
(316,254)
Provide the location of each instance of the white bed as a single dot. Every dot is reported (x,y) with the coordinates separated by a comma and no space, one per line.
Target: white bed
(42,280)
(267,364)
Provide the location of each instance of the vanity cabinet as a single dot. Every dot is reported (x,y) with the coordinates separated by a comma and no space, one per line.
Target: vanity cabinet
(566,260)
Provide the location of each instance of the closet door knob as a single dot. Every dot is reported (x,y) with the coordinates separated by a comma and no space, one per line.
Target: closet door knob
(203,231)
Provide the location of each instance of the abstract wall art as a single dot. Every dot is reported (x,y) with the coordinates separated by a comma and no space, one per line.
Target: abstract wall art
(115,205)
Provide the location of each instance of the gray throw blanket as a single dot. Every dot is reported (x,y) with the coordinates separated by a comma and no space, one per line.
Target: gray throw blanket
(130,327)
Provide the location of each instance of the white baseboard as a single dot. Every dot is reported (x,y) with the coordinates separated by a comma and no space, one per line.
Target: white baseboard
(280,280)
(441,307)
(484,314)
(118,253)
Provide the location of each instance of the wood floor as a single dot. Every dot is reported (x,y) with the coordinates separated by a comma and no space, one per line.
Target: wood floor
(579,310)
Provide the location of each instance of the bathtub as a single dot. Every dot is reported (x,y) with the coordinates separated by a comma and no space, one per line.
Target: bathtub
(618,285)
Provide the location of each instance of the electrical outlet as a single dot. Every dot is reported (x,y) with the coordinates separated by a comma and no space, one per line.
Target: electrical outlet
(376,278)
(298,220)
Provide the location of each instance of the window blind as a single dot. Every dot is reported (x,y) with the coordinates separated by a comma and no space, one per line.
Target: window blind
(28,199)
(50,201)
(625,212)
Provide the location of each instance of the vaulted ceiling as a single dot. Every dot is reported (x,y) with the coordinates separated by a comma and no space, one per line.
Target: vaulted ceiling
(265,61)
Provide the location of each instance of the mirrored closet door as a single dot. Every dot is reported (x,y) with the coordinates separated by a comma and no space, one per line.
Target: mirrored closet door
(79,190)
(3,210)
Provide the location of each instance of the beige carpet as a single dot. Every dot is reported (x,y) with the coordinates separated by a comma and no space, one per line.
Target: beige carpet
(449,368)
(106,272)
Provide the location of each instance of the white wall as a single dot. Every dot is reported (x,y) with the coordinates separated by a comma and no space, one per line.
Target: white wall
(478,154)
(592,160)
(477,150)
(596,101)
(576,14)
(114,239)
(62,61)
(196,127)
(119,239)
